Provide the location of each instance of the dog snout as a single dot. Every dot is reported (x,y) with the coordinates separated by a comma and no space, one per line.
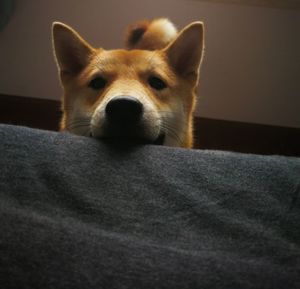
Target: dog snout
(124,110)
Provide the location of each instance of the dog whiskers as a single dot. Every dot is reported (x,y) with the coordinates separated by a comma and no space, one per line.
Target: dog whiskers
(171,132)
(81,126)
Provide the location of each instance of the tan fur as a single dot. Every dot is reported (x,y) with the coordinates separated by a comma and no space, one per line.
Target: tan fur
(150,35)
(174,59)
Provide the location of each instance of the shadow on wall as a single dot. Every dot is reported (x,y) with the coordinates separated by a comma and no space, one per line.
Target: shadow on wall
(6,11)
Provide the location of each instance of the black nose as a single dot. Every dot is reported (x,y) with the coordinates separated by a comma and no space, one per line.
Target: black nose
(124,110)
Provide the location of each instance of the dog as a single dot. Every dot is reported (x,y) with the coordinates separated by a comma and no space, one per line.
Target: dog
(144,93)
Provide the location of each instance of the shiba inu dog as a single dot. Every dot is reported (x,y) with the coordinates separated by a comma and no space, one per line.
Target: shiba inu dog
(146,92)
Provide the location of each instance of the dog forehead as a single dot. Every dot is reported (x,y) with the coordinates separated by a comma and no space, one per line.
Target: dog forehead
(124,59)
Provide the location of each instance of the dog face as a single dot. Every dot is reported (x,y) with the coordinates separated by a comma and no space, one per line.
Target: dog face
(142,95)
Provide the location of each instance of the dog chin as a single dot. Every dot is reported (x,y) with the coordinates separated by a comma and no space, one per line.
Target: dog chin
(135,134)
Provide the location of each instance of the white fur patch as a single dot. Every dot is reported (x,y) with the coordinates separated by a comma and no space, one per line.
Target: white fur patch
(165,25)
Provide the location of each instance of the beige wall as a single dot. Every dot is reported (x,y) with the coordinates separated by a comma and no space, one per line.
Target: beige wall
(251,71)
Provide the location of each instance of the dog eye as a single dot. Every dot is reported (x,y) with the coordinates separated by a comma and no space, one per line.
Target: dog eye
(97,83)
(156,83)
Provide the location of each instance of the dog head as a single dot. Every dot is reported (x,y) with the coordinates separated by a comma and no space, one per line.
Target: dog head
(144,93)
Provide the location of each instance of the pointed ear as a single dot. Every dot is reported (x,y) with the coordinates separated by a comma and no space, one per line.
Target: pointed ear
(185,52)
(71,52)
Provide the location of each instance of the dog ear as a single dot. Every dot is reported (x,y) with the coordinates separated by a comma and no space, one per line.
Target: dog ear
(71,51)
(185,52)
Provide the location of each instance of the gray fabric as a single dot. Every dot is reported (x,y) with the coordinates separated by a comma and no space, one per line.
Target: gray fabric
(78,213)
